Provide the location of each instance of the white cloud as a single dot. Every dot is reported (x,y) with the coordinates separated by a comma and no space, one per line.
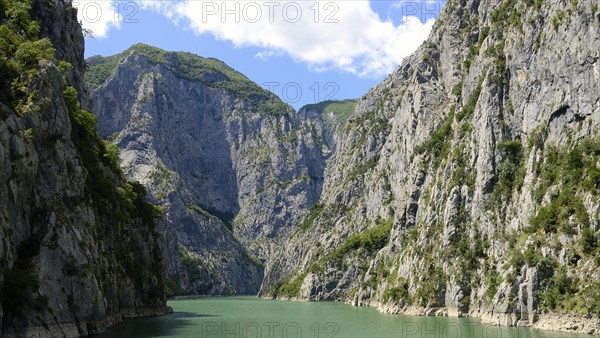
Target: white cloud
(98,16)
(342,35)
(265,55)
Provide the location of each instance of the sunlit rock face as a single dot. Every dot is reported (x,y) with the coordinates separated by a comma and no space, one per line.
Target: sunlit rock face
(234,167)
(466,183)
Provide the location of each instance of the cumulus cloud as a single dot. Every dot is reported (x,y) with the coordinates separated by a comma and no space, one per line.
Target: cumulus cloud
(341,35)
(99,16)
(265,55)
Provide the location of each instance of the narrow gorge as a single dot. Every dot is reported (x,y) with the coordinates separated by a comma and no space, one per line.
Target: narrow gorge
(234,167)
(467,183)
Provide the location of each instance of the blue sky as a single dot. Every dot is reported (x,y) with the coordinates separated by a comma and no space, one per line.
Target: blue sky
(304,51)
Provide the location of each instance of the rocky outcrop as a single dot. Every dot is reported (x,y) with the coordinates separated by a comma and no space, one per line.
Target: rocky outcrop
(78,249)
(466,183)
(329,119)
(234,167)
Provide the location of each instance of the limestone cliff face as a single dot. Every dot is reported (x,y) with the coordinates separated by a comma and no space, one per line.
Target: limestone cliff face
(467,182)
(78,248)
(234,167)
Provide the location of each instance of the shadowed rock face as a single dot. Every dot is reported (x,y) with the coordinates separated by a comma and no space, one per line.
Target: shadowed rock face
(234,166)
(466,183)
(173,120)
(67,266)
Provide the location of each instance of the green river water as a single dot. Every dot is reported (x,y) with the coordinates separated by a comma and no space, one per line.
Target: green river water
(253,317)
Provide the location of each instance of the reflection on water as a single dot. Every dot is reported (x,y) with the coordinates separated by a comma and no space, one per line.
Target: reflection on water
(253,317)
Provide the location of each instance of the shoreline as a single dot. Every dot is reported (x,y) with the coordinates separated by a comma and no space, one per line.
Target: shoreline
(550,322)
(209,296)
(86,328)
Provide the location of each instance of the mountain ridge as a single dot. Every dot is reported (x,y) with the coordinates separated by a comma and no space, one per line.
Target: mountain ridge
(232,155)
(215,73)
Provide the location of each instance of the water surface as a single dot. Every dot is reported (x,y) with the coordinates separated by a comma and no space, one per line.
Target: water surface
(253,317)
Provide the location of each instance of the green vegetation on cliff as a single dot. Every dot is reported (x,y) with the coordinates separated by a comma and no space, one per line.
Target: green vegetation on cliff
(364,243)
(213,72)
(123,224)
(21,52)
(342,110)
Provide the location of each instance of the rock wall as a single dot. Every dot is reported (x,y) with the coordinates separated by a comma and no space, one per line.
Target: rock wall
(466,183)
(78,249)
(234,166)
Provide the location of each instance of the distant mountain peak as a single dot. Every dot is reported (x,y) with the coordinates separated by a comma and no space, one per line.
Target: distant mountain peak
(213,72)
